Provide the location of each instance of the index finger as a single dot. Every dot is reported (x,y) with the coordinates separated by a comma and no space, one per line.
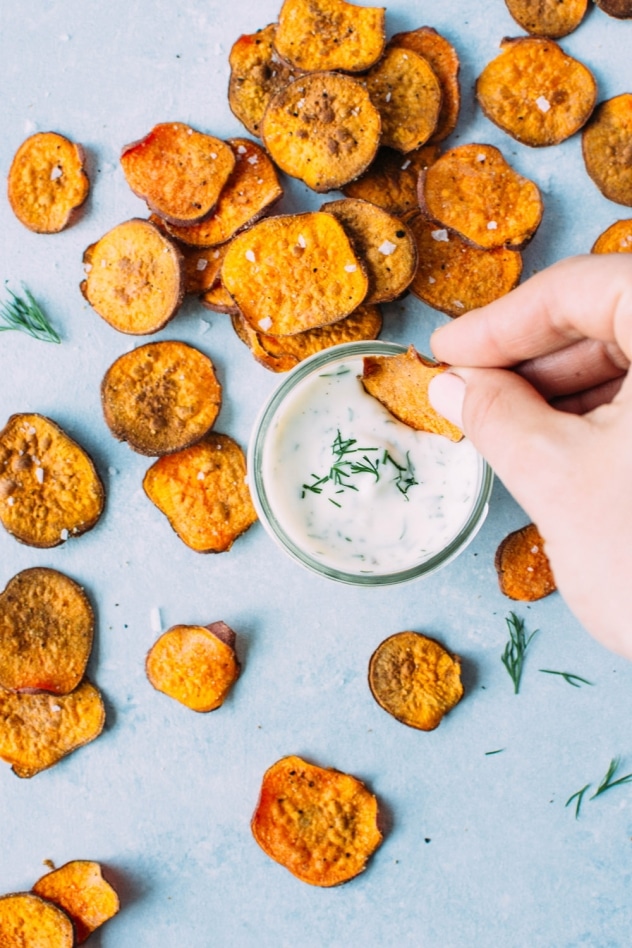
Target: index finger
(586,297)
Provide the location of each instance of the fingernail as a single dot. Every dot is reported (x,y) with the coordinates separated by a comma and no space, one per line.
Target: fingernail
(446,393)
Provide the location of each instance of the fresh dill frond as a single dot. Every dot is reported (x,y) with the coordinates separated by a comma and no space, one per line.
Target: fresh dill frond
(24,314)
(608,783)
(491,753)
(579,796)
(573,680)
(516,648)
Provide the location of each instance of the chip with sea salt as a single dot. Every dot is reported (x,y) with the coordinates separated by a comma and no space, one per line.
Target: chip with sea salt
(390,181)
(28,921)
(615,239)
(552,18)
(329,34)
(523,568)
(607,148)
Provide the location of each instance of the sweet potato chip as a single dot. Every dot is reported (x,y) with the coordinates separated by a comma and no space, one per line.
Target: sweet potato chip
(400,383)
(322,128)
(202,267)
(384,244)
(319,823)
(47,182)
(607,148)
(621,9)
(178,171)
(454,277)
(38,730)
(49,487)
(256,75)
(195,665)
(535,92)
(203,493)
(473,190)
(523,568)
(218,299)
(46,632)
(415,679)
(134,277)
(161,397)
(251,190)
(294,272)
(444,61)
(615,239)
(329,34)
(27,921)
(406,92)
(391,179)
(80,890)
(552,18)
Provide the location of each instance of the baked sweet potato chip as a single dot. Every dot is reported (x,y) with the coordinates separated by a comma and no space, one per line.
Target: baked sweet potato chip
(400,383)
(46,632)
(615,239)
(444,61)
(535,92)
(218,299)
(523,568)
(49,487)
(415,679)
(621,9)
(27,921)
(161,397)
(454,277)
(134,277)
(319,823)
(194,664)
(552,18)
(38,730)
(384,244)
(202,267)
(391,179)
(80,890)
(322,128)
(47,182)
(178,171)
(294,272)
(329,34)
(203,493)
(406,92)
(473,190)
(607,148)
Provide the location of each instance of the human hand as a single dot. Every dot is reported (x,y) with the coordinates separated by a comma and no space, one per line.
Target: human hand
(540,385)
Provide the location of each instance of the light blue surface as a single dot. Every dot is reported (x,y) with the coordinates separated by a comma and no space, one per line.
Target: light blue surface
(479,850)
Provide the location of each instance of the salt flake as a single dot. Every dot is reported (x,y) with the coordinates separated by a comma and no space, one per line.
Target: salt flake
(250,255)
(265,323)
(441,234)
(387,248)
(543,103)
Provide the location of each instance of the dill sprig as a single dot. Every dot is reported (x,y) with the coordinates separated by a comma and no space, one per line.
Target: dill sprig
(516,648)
(575,680)
(579,796)
(26,315)
(607,783)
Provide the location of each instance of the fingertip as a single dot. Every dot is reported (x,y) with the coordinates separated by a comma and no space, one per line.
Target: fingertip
(446,393)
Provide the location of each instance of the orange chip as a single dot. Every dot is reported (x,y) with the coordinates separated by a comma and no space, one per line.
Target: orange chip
(415,679)
(552,18)
(322,128)
(27,921)
(218,299)
(330,34)
(46,632)
(80,890)
(47,182)
(178,171)
(49,487)
(202,266)
(616,239)
(294,272)
(400,383)
(161,397)
(195,665)
(203,493)
(454,277)
(607,148)
(38,730)
(319,823)
(391,179)
(535,92)
(523,568)
(444,61)
(621,9)
(473,190)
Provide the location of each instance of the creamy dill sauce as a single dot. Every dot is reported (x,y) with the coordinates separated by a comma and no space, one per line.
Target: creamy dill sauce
(358,490)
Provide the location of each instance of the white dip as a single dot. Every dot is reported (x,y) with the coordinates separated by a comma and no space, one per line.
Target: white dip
(356,489)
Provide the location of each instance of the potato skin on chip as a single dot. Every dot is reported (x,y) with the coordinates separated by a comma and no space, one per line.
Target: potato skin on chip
(203,493)
(294,272)
(49,487)
(621,9)
(329,34)
(523,568)
(46,632)
(473,190)
(400,383)
(551,18)
(391,179)
(319,823)
(535,92)
(444,61)
(79,889)
(323,129)
(607,148)
(195,665)
(47,182)
(161,397)
(28,921)
(615,239)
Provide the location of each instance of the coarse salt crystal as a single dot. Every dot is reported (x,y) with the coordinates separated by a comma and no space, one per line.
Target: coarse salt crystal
(529,569)
(406,164)
(253,160)
(432,280)
(10,501)
(63,534)
(492,225)
(250,255)
(265,323)
(543,103)
(535,549)
(300,240)
(213,155)
(481,157)
(202,264)
(39,474)
(200,475)
(242,150)
(351,268)
(387,97)
(155,619)
(387,248)
(56,173)
(440,235)
(216,255)
(55,707)
(458,304)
